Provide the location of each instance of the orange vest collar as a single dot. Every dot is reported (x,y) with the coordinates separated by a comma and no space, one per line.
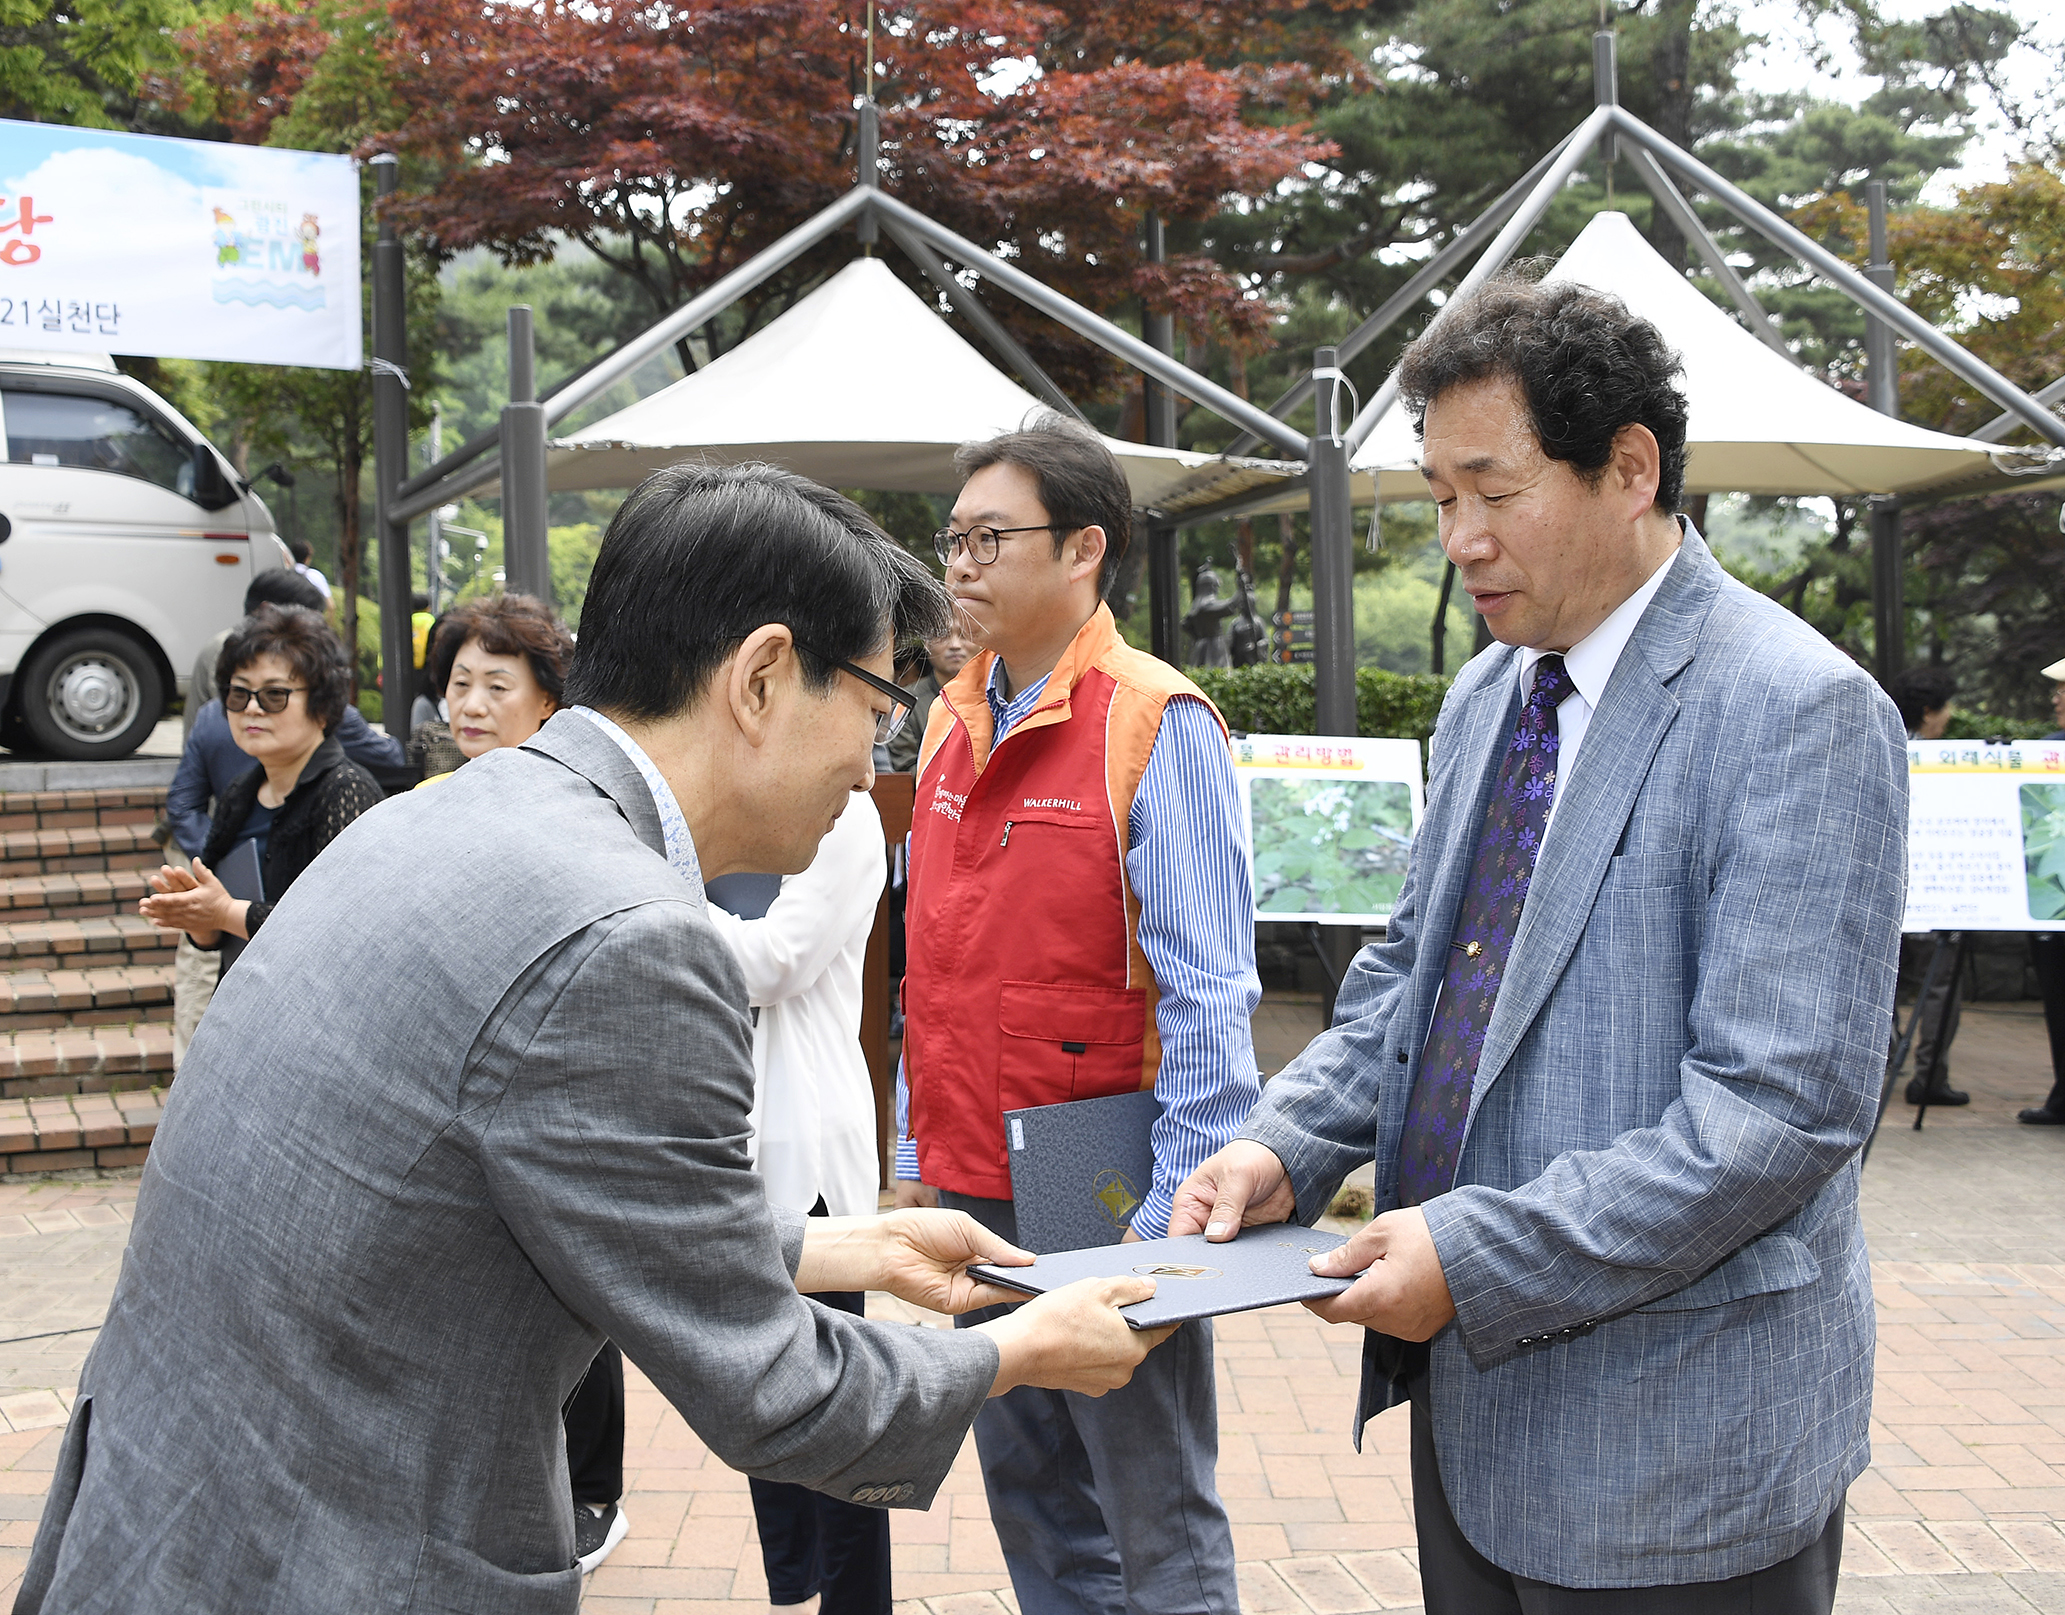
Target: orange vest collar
(968,694)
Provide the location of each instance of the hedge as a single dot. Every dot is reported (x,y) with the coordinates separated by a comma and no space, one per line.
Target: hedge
(1276,700)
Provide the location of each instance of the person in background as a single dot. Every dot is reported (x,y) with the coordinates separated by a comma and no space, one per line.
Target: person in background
(421,625)
(211,761)
(1081,919)
(303,563)
(429,705)
(2047,951)
(286,684)
(800,947)
(501,665)
(947,655)
(1926,697)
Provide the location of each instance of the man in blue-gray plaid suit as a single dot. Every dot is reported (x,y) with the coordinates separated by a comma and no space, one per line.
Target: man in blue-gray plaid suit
(1617,1056)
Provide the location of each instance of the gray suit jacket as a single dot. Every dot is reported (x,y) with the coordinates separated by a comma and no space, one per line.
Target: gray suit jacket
(1660,1368)
(473,1100)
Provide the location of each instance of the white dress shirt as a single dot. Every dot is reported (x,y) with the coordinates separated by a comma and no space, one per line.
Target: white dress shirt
(813,1103)
(1590,664)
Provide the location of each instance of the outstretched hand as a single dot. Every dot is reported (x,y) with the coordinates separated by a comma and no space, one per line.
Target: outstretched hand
(1402,1291)
(917,1255)
(1074,1338)
(1243,1186)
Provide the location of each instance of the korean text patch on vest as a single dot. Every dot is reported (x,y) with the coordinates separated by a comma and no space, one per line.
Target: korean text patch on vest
(1069,1039)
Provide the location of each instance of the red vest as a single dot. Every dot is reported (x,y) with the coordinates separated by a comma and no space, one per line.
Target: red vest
(1025,984)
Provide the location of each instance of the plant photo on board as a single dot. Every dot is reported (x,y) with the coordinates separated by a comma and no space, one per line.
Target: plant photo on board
(1330,846)
(2043,849)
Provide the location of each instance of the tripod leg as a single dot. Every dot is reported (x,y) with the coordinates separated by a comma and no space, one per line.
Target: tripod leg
(1898,1062)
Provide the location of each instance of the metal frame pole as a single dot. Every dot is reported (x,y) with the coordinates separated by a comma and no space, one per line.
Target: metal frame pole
(1882,392)
(1692,229)
(1333,555)
(1846,279)
(526,552)
(1431,274)
(1119,343)
(868,157)
(1164,562)
(1504,245)
(2001,425)
(445,481)
(391,460)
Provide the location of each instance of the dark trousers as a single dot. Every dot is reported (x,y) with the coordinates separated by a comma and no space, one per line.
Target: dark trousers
(812,1544)
(1455,1579)
(2048,952)
(594,1417)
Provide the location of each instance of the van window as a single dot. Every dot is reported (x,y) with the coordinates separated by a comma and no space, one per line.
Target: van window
(98,434)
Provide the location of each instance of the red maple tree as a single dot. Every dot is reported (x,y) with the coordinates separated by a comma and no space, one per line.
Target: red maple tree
(675,140)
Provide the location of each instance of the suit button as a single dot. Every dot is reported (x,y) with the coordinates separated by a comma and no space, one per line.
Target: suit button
(1401,1057)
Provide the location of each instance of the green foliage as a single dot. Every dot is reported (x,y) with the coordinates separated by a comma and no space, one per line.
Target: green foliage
(1976,725)
(86,62)
(1330,846)
(1271,700)
(2043,849)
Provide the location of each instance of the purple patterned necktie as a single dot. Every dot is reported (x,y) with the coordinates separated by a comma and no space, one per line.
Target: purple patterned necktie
(1499,872)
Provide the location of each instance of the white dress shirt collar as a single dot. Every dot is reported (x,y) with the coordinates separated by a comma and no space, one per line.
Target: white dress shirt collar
(1591,661)
(681,850)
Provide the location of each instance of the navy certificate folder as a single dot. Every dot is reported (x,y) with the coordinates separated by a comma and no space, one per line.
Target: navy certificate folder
(1080,1170)
(1260,1267)
(243,877)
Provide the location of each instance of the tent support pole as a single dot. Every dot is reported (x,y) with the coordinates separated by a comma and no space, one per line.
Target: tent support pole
(1709,250)
(437,485)
(1860,291)
(1158,415)
(1524,219)
(1407,297)
(1333,556)
(2001,425)
(970,307)
(526,556)
(391,460)
(1120,344)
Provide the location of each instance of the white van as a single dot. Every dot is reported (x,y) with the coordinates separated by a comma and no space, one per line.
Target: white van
(126,541)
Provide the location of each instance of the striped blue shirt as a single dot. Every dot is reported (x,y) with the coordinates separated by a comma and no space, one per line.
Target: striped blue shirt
(1187,862)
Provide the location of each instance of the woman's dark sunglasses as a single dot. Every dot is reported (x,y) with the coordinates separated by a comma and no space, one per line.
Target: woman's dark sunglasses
(273,698)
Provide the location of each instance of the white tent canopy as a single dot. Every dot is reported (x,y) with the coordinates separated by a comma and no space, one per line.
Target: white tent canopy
(860,385)
(1758,424)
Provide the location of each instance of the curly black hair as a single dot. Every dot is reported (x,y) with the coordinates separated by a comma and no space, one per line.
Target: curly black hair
(300,638)
(1586,364)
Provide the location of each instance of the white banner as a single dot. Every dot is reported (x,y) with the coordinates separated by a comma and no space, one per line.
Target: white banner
(1985,836)
(1331,821)
(178,249)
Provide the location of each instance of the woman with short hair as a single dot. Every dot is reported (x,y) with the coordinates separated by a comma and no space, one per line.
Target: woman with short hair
(285,682)
(500,664)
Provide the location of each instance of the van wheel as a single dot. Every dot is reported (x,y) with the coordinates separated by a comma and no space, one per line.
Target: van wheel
(90,695)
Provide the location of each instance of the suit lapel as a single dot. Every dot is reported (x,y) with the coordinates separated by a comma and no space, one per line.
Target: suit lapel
(1483,725)
(1635,712)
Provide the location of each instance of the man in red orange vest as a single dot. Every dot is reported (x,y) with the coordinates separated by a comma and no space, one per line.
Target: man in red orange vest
(1080,923)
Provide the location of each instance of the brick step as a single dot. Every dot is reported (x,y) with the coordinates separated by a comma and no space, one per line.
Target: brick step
(69,944)
(84,894)
(84,1059)
(84,848)
(72,810)
(66,1132)
(111,995)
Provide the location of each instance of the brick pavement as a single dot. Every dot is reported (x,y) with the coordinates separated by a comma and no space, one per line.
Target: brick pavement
(1957,1513)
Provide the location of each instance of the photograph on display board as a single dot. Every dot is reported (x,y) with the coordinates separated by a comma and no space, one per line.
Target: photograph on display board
(2043,850)
(1331,824)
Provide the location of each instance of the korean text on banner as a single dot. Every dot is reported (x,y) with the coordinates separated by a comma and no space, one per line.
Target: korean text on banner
(1985,836)
(177,249)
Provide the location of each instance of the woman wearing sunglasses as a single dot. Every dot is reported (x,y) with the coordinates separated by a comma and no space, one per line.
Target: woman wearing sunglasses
(284,682)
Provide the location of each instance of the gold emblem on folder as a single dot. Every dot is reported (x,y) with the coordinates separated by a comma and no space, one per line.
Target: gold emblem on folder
(1176,1270)
(1115,1196)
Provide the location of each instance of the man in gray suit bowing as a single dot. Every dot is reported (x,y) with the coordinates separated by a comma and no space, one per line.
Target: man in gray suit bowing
(1616,1057)
(478,1099)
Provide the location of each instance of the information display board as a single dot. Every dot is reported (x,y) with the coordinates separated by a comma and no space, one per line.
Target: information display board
(1985,836)
(178,249)
(1331,820)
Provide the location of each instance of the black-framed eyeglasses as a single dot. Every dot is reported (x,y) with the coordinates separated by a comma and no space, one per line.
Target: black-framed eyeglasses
(273,698)
(886,723)
(980,542)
